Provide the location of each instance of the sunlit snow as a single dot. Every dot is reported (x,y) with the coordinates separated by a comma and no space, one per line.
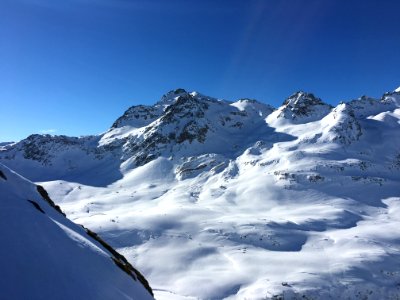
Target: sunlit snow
(300,201)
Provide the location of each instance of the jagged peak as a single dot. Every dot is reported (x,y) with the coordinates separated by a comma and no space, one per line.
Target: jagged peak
(143,115)
(301,107)
(397,90)
(185,105)
(301,98)
(172,95)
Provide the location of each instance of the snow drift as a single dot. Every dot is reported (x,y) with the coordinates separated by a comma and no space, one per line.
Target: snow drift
(46,256)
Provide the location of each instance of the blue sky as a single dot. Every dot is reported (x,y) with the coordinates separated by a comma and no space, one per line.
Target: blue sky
(73,66)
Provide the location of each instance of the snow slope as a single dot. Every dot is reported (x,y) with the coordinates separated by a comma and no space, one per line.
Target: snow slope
(221,200)
(46,256)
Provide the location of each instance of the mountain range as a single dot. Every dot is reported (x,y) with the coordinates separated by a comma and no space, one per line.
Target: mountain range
(213,199)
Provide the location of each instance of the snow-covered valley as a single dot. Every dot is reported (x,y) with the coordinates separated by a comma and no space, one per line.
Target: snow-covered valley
(218,200)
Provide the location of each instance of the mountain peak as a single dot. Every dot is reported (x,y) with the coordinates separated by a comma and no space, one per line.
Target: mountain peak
(302,98)
(172,95)
(302,107)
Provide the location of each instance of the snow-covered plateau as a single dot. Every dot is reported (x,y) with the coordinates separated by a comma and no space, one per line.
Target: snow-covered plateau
(212,199)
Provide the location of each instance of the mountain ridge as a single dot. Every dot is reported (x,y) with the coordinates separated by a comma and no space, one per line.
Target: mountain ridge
(180,117)
(230,200)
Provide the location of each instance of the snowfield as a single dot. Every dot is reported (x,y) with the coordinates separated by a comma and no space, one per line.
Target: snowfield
(218,200)
(46,256)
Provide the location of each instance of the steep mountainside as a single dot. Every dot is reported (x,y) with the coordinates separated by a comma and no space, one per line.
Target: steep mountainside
(46,256)
(232,200)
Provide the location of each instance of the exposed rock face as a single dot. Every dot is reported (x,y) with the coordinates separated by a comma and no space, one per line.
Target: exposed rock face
(187,124)
(192,120)
(138,116)
(304,107)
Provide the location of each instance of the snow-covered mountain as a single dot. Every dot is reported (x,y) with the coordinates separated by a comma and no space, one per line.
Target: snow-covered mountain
(237,200)
(46,256)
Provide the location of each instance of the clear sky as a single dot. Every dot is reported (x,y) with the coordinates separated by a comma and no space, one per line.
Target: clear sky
(73,66)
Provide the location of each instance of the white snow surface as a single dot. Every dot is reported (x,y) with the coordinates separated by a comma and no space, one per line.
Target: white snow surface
(43,255)
(219,200)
